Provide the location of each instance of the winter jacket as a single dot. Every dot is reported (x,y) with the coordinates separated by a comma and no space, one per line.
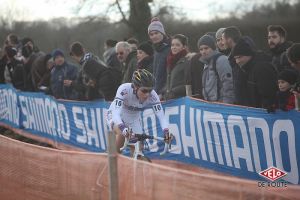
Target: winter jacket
(60,73)
(161,52)
(27,70)
(175,86)
(15,73)
(111,59)
(194,76)
(217,83)
(39,72)
(3,62)
(279,57)
(129,67)
(80,85)
(285,100)
(258,83)
(146,63)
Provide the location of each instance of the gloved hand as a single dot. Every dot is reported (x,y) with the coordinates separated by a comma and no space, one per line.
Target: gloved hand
(271,109)
(124,130)
(166,135)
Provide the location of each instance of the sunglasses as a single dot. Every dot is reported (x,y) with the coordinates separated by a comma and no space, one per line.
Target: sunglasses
(146,90)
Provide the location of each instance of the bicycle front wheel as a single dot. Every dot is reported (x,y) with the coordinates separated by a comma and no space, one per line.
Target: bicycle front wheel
(144,158)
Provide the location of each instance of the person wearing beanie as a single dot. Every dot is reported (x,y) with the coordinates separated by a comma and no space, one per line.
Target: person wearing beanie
(145,56)
(217,79)
(161,45)
(285,99)
(156,25)
(208,41)
(60,72)
(57,53)
(258,78)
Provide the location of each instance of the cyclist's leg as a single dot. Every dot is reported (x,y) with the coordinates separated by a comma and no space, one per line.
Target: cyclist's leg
(119,138)
(115,129)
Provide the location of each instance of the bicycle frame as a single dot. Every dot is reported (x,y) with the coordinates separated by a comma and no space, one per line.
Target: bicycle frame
(138,151)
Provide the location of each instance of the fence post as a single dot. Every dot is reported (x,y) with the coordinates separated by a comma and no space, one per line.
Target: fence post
(188,90)
(112,167)
(297,103)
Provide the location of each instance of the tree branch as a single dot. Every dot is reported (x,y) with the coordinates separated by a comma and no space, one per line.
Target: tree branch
(122,13)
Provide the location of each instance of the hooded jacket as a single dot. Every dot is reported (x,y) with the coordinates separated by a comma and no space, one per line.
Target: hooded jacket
(212,90)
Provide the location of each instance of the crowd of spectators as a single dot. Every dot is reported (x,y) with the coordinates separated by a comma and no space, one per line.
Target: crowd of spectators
(227,67)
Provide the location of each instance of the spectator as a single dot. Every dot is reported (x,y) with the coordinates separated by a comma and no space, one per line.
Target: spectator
(145,56)
(14,72)
(86,91)
(29,42)
(217,73)
(285,98)
(41,72)
(278,46)
(161,46)
(193,72)
(177,64)
(13,41)
(29,56)
(134,43)
(110,55)
(258,78)
(95,80)
(230,37)
(293,54)
(128,60)
(220,45)
(60,72)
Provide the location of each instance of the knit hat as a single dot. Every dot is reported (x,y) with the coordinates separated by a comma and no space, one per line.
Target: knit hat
(242,48)
(156,25)
(146,47)
(289,76)
(208,41)
(219,33)
(57,52)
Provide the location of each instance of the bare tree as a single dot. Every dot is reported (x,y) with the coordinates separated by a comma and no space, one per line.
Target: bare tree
(139,17)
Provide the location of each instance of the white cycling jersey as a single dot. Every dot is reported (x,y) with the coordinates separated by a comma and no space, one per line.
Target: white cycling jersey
(126,108)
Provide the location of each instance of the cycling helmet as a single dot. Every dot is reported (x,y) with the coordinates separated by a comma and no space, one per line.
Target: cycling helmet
(142,78)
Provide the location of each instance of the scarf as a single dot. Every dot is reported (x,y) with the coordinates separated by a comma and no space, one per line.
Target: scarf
(172,59)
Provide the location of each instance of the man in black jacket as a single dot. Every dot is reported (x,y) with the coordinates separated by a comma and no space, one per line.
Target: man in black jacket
(258,77)
(278,46)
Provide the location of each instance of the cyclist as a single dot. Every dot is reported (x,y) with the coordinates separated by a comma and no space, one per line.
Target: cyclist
(130,99)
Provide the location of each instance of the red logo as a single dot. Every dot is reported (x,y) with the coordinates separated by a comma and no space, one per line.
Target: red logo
(272,173)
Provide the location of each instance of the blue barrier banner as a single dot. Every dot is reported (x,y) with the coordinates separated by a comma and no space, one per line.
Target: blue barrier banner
(9,109)
(236,140)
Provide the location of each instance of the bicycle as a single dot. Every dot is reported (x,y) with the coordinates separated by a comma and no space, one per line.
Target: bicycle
(138,141)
